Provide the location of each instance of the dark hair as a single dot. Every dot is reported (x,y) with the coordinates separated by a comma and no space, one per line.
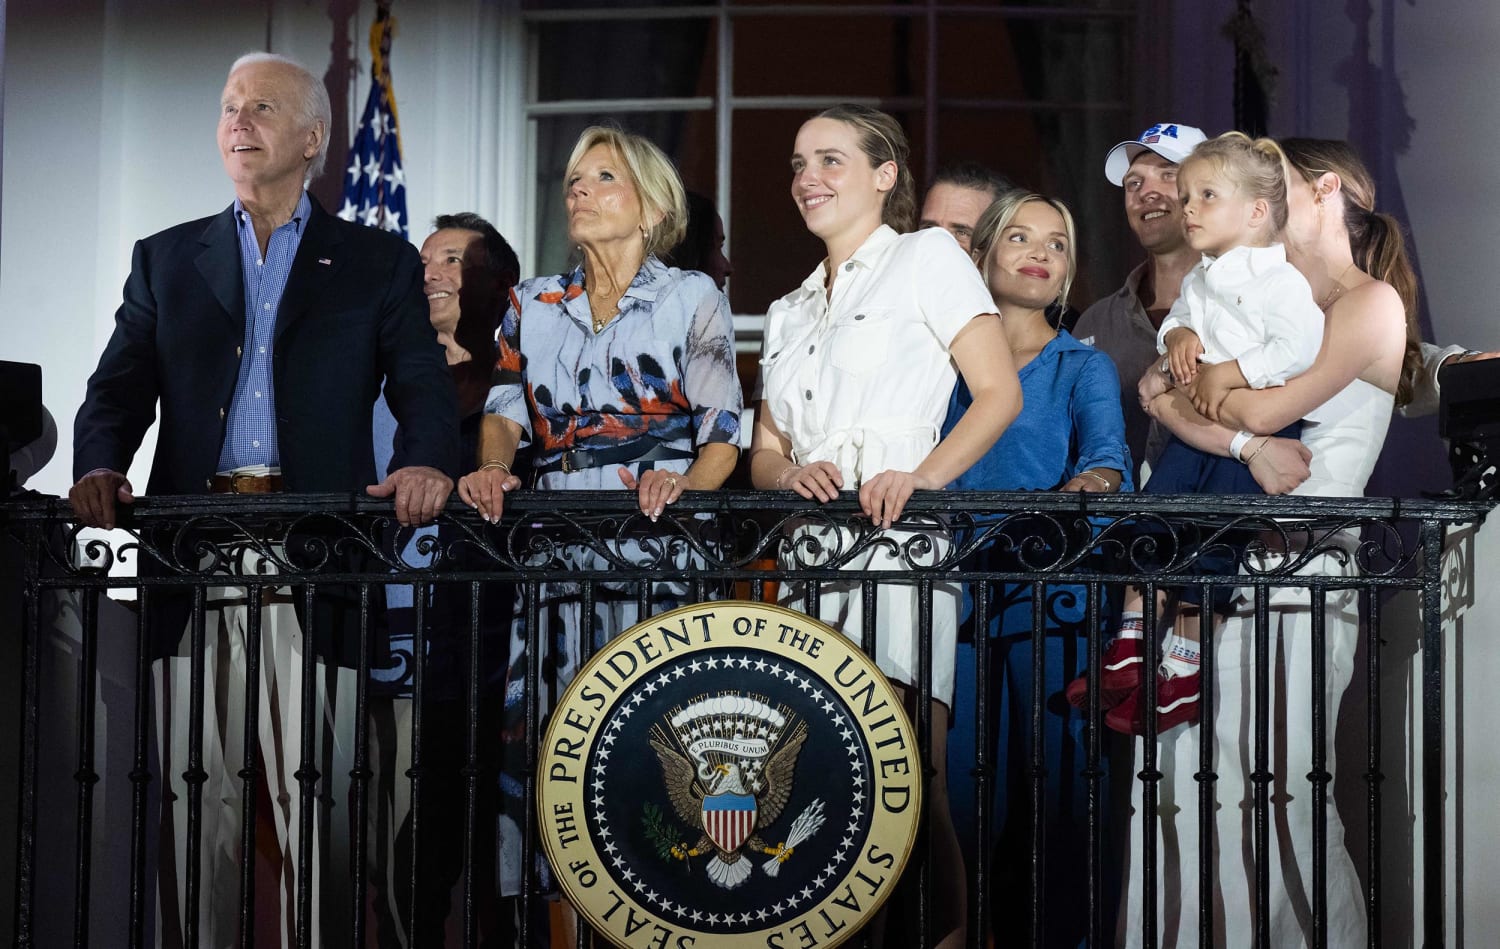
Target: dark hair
(697,240)
(882,139)
(482,303)
(1375,238)
(500,258)
(974,176)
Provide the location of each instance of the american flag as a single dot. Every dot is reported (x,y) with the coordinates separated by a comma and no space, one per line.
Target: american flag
(374,182)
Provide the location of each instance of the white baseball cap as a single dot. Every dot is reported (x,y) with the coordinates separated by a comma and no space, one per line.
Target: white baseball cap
(1170,140)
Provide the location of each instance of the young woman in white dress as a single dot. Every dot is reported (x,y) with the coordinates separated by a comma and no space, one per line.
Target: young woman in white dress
(859,362)
(1355,261)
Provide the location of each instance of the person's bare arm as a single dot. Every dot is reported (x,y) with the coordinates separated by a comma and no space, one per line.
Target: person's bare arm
(484,490)
(1174,409)
(658,487)
(772,467)
(983,357)
(1364,328)
(1277,464)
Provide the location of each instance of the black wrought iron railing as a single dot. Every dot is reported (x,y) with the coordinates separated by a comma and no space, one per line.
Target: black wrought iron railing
(98,862)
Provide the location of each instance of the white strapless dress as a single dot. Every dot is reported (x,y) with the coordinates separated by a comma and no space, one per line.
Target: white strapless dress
(1345,447)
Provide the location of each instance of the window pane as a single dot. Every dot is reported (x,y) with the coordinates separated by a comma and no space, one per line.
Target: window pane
(686,137)
(1067,60)
(602,4)
(848,56)
(626,59)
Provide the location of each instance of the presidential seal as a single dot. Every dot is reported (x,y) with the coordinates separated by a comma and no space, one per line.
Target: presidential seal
(729,774)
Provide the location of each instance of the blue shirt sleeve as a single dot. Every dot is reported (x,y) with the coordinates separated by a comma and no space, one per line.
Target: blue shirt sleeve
(1098,420)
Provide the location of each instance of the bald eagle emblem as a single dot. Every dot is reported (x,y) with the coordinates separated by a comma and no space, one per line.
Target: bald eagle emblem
(728,761)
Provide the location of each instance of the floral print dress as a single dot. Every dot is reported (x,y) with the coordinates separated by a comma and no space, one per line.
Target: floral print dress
(661,373)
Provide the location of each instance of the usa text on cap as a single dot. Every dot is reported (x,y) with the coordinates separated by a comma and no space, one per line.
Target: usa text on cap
(1170,140)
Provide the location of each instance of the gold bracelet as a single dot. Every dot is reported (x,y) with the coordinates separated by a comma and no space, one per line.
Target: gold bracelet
(784,472)
(1258,450)
(495,464)
(1098,477)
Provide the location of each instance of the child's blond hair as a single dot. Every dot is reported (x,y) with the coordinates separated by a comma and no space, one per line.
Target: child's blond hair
(1257,167)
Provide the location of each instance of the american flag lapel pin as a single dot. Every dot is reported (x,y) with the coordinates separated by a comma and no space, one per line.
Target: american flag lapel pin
(325,261)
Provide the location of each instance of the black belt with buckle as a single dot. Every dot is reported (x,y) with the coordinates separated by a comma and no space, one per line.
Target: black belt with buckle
(579,459)
(245,484)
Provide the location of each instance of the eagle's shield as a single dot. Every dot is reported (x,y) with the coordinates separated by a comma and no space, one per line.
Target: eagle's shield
(728,819)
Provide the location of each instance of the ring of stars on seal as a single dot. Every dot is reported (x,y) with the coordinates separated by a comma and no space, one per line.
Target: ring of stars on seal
(728,774)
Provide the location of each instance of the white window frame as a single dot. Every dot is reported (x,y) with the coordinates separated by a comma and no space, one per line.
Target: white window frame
(519,109)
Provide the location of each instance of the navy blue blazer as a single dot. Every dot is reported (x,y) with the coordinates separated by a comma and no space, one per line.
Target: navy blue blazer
(353,315)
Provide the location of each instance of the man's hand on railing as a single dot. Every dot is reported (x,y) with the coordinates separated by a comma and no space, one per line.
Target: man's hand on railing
(94,497)
(420,493)
(1279,465)
(484,490)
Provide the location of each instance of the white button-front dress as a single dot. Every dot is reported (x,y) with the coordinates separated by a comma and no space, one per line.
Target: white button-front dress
(862,380)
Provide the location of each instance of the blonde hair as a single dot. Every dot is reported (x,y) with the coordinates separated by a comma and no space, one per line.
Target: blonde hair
(653,176)
(1255,166)
(882,139)
(997,218)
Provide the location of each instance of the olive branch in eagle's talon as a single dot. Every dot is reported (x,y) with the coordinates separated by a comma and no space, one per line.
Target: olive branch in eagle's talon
(663,836)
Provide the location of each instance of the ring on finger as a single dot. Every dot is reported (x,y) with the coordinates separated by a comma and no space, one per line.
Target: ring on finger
(672,481)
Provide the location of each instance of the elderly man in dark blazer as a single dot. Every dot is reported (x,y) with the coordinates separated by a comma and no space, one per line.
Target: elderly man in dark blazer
(265,333)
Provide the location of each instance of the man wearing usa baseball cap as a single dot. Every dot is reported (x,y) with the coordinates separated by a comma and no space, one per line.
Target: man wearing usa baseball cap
(1124,324)
(1170,140)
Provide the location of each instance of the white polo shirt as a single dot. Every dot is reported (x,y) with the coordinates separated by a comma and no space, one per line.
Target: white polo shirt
(863,380)
(1252,306)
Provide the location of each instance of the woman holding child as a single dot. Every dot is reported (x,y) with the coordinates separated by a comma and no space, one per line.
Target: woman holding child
(1249,318)
(1354,261)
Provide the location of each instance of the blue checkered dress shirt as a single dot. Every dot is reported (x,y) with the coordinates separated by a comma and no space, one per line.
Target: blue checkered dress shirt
(250,438)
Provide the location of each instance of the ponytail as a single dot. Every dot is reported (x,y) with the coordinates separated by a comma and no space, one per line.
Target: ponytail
(900,211)
(1380,251)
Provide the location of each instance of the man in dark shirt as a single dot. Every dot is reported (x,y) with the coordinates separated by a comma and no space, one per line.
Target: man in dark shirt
(1124,324)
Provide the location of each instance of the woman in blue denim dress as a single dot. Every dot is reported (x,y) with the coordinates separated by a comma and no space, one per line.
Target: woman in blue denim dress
(1070,436)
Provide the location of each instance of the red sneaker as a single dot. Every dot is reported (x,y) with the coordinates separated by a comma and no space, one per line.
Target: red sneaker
(1122,663)
(1177,703)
